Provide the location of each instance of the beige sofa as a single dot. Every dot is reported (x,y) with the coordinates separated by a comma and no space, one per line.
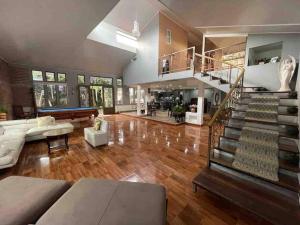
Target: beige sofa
(26,200)
(14,133)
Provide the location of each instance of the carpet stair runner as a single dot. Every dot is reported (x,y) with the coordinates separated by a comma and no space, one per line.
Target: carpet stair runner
(258,150)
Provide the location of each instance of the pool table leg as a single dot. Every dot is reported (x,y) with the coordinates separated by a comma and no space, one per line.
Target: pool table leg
(66,141)
(49,148)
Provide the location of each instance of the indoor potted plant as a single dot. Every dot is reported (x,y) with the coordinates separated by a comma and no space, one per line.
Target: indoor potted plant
(178,112)
(3,113)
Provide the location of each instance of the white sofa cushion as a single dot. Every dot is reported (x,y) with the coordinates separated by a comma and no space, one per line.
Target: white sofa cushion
(2,130)
(12,122)
(6,160)
(40,130)
(45,121)
(4,150)
(32,121)
(8,137)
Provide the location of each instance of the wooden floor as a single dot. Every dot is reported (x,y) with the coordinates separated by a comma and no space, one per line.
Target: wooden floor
(144,151)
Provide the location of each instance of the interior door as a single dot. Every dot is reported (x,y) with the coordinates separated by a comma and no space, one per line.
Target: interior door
(109,104)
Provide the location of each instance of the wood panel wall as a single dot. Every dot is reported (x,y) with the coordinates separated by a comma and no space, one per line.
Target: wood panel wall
(179,42)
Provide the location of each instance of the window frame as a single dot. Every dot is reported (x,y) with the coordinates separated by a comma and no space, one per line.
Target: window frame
(44,84)
(43,78)
(53,76)
(119,87)
(58,78)
(111,84)
(80,75)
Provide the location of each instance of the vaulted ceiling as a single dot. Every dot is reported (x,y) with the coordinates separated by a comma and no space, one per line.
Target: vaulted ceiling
(53,34)
(238,16)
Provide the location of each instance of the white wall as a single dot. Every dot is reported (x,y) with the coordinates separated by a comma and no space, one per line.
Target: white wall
(145,68)
(266,75)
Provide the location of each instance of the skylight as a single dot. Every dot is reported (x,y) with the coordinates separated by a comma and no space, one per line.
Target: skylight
(108,34)
(126,39)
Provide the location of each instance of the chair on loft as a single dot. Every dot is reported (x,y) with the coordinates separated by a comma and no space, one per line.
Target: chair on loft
(23,112)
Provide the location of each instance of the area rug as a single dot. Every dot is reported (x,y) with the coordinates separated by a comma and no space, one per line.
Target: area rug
(257,153)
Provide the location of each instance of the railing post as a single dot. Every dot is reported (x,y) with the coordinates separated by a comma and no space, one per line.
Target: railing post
(230,68)
(209,145)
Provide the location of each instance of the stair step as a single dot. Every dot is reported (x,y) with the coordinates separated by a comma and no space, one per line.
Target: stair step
(285,94)
(266,122)
(284,180)
(282,102)
(222,81)
(282,133)
(258,199)
(215,78)
(292,148)
(283,164)
(282,113)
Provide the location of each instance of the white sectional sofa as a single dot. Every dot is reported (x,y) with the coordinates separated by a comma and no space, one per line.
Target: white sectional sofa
(14,133)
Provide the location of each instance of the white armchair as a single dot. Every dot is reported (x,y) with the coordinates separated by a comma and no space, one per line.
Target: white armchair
(97,137)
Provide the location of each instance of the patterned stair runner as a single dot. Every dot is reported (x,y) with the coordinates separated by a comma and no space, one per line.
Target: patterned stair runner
(257,153)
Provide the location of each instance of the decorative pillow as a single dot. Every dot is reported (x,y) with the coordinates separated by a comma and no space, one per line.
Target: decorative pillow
(44,121)
(1,130)
(4,150)
(97,125)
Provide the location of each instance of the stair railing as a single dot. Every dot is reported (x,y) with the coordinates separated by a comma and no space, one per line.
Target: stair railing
(223,113)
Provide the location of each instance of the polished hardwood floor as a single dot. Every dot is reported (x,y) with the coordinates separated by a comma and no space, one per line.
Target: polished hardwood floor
(144,151)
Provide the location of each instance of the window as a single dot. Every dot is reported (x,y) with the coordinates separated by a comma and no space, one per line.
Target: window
(108,97)
(39,95)
(49,93)
(101,80)
(50,76)
(132,95)
(37,75)
(62,97)
(61,77)
(119,91)
(80,79)
(119,82)
(119,95)
(169,37)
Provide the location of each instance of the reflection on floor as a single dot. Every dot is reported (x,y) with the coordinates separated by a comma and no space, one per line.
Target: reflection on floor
(144,151)
(161,116)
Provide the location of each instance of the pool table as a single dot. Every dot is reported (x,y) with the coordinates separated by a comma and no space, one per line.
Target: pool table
(67,113)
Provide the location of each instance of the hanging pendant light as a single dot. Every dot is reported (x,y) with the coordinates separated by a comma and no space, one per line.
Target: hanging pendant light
(136,29)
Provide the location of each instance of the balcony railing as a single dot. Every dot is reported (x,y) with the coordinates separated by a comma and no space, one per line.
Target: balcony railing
(177,61)
(234,55)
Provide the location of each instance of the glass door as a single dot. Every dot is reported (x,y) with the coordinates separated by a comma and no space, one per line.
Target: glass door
(96,96)
(109,106)
(84,96)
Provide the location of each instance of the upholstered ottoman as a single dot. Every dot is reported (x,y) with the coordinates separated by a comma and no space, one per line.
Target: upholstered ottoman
(24,199)
(105,202)
(99,137)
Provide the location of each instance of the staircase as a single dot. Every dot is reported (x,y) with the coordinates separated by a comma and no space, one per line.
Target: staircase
(276,201)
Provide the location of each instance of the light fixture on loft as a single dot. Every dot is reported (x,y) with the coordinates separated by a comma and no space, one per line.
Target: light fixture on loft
(136,29)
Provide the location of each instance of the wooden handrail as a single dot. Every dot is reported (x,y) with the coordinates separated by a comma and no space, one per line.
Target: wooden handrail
(234,86)
(217,49)
(173,53)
